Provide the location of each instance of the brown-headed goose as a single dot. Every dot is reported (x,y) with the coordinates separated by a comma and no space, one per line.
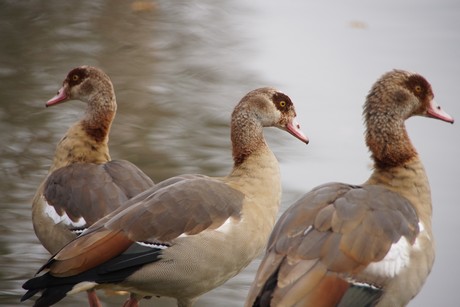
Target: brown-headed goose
(188,234)
(83,184)
(360,245)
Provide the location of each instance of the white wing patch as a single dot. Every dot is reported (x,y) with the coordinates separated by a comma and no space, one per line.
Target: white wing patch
(362,284)
(153,245)
(227,226)
(309,228)
(397,258)
(64,219)
(82,286)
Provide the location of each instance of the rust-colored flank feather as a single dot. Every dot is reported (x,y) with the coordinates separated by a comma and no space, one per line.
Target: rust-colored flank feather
(92,251)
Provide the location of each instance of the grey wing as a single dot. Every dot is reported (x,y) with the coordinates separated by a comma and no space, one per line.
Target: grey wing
(186,206)
(91,190)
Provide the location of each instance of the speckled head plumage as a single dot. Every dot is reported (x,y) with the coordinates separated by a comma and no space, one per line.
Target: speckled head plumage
(262,107)
(271,108)
(399,91)
(92,86)
(395,97)
(85,83)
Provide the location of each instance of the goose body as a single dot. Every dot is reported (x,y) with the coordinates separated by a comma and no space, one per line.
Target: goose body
(83,183)
(360,245)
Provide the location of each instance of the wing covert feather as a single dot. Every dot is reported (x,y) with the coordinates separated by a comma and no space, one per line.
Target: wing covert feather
(335,229)
(184,207)
(92,190)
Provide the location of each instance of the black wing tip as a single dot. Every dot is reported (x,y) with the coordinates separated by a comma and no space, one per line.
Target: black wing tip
(50,296)
(266,293)
(29,294)
(114,271)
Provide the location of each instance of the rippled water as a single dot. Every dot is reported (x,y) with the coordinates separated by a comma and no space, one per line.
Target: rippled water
(178,69)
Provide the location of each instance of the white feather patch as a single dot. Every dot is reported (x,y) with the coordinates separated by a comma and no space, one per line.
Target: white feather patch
(51,212)
(309,228)
(227,226)
(362,284)
(83,286)
(397,258)
(153,245)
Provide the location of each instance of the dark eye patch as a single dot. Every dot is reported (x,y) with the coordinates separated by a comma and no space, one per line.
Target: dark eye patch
(76,76)
(282,101)
(419,86)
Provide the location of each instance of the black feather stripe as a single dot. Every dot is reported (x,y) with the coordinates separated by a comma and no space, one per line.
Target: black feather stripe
(265,296)
(113,271)
(52,295)
(130,260)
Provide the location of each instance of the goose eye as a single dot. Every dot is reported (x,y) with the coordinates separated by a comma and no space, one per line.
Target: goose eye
(282,103)
(75,77)
(418,88)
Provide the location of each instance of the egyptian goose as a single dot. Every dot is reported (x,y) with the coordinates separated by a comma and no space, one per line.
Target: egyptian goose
(188,234)
(360,245)
(83,184)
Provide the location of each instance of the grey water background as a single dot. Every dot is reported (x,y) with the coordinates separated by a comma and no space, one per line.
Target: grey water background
(179,68)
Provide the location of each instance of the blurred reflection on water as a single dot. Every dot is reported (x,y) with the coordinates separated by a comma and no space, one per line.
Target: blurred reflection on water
(179,67)
(176,79)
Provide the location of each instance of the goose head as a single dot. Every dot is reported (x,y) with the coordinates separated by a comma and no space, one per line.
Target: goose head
(87,84)
(268,107)
(401,94)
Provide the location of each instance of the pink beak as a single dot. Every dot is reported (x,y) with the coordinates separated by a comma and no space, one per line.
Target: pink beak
(61,96)
(294,128)
(435,111)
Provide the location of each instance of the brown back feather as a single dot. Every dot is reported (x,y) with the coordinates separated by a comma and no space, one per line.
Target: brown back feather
(326,235)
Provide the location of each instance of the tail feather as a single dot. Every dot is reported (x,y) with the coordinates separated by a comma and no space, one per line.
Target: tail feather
(52,295)
(113,271)
(54,288)
(29,294)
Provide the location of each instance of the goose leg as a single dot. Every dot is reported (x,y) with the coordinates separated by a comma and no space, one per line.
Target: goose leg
(93,300)
(132,301)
